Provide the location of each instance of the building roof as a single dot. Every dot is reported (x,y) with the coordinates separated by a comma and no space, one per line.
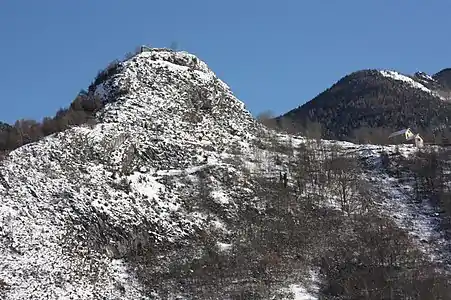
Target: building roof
(403,131)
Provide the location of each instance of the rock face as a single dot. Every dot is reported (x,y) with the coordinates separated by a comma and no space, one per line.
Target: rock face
(375,99)
(77,202)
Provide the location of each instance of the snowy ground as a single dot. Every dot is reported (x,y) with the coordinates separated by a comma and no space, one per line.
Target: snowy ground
(420,220)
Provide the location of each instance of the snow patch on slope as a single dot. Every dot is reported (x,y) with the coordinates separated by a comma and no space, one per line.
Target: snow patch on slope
(418,219)
(397,76)
(425,77)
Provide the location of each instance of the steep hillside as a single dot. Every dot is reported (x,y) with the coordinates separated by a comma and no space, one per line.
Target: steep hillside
(178,193)
(444,78)
(105,188)
(377,99)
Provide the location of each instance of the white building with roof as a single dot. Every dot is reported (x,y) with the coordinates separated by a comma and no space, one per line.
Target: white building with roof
(406,136)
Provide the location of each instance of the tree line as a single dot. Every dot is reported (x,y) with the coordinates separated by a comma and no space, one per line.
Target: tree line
(362,134)
(82,110)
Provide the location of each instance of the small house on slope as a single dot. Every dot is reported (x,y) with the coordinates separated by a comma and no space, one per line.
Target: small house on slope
(406,136)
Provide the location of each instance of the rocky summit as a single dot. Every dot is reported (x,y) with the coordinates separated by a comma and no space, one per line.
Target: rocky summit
(119,182)
(177,192)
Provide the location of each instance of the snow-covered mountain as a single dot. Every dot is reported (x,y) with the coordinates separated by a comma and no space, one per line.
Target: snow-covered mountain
(117,182)
(100,211)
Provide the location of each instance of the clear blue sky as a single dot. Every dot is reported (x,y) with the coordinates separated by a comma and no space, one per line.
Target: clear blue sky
(274,54)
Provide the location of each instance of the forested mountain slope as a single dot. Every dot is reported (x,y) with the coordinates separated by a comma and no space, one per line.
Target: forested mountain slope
(375,103)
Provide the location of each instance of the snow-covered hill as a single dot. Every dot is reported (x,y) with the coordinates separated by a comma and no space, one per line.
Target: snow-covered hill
(171,158)
(119,182)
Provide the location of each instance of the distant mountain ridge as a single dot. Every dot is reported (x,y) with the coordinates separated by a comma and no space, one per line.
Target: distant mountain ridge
(444,77)
(377,99)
